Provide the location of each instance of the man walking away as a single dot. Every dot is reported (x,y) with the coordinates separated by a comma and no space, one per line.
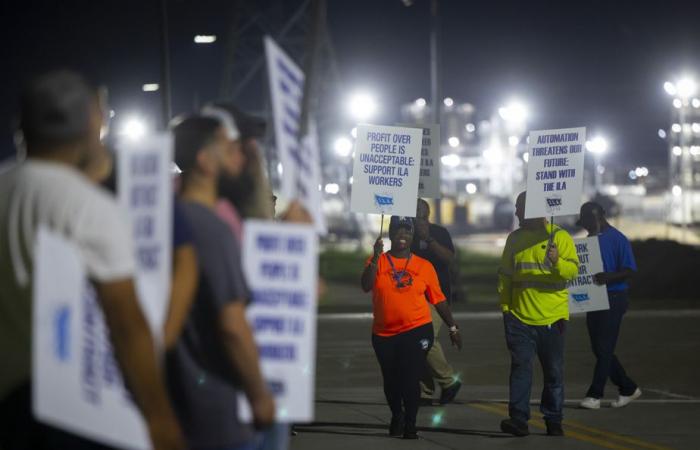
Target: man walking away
(537,261)
(604,326)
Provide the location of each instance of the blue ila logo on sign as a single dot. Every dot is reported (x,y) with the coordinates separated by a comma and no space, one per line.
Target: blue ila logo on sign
(384,202)
(580,297)
(61,327)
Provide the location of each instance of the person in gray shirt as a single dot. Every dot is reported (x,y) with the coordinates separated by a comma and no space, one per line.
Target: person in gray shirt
(215,357)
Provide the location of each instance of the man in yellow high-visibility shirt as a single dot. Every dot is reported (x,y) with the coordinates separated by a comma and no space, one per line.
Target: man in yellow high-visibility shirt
(538,259)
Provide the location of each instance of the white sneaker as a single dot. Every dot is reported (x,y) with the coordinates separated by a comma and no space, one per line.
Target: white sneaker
(590,403)
(625,400)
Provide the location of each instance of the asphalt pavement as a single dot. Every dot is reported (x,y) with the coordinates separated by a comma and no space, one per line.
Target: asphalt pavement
(659,349)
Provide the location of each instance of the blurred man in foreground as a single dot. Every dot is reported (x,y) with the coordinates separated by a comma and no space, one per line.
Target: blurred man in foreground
(215,356)
(61,120)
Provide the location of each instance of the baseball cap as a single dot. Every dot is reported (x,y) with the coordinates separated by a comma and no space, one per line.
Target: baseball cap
(400,221)
(56,106)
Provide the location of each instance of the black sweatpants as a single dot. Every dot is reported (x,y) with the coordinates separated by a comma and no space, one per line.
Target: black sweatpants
(402,359)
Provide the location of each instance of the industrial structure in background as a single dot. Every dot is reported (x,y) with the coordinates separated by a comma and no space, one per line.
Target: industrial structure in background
(683,152)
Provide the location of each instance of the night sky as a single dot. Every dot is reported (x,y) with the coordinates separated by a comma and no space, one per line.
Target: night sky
(599,64)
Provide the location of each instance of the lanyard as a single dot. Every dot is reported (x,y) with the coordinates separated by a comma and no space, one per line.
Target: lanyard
(397,276)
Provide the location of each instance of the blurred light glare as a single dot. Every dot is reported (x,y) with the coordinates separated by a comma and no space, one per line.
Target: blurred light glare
(470,128)
(597,145)
(696,127)
(614,190)
(362,105)
(492,155)
(453,141)
(150,87)
(280,169)
(450,160)
(353,132)
(420,102)
(696,103)
(513,141)
(632,174)
(332,188)
(471,188)
(204,39)
(677,103)
(676,191)
(526,156)
(351,180)
(662,133)
(670,88)
(515,112)
(448,101)
(695,150)
(676,128)
(134,128)
(686,87)
(343,147)
(677,150)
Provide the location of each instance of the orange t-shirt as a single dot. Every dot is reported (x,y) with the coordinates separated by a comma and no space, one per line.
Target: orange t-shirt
(397,310)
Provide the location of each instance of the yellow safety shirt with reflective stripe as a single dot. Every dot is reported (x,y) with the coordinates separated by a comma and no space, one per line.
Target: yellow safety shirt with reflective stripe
(531,288)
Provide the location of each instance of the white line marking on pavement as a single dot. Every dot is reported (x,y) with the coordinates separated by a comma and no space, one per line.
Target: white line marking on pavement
(576,401)
(481,315)
(671,394)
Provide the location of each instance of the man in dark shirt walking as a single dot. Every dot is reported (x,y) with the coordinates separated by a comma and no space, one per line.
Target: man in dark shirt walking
(433,242)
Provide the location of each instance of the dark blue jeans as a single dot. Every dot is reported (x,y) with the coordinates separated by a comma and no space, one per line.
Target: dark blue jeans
(524,342)
(604,329)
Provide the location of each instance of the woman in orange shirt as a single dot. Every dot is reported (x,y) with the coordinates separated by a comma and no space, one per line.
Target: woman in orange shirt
(402,284)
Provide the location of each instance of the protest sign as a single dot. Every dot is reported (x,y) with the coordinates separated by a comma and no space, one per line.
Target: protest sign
(301,163)
(584,294)
(280,262)
(76,383)
(386,170)
(145,192)
(555,172)
(429,181)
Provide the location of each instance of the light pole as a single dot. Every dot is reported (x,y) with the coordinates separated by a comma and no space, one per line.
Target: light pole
(681,174)
(597,146)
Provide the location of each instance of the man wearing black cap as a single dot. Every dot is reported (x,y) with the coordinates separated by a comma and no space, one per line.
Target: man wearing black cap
(604,326)
(61,122)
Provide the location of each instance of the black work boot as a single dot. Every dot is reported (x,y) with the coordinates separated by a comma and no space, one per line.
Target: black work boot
(410,431)
(554,429)
(397,426)
(515,427)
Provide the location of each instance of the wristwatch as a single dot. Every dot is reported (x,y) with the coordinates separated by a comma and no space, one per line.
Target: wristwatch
(454,329)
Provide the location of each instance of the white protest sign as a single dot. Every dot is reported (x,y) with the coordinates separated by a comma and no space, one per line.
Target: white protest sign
(555,172)
(429,181)
(584,294)
(301,162)
(145,191)
(281,261)
(386,170)
(75,380)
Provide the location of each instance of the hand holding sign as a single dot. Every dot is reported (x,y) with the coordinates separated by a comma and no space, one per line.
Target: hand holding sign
(378,247)
(553,253)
